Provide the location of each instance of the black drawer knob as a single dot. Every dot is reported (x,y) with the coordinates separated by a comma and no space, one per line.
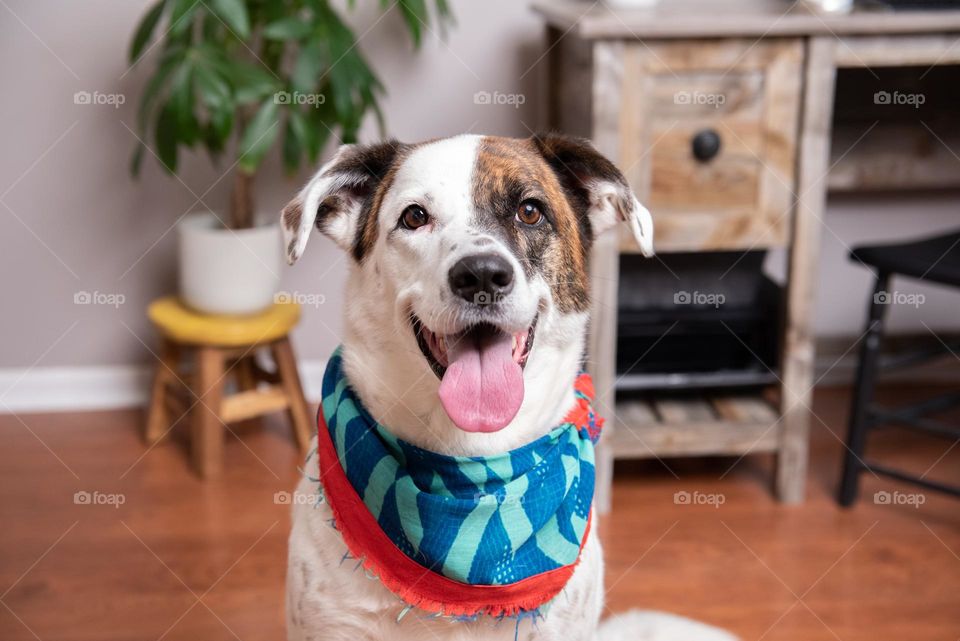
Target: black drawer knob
(706,145)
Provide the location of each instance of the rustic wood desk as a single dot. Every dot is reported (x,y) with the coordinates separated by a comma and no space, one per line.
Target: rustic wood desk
(760,75)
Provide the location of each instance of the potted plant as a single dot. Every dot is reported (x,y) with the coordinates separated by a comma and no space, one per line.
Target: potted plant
(237,77)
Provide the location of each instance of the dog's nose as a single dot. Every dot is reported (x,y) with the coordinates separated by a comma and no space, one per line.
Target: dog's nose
(482,278)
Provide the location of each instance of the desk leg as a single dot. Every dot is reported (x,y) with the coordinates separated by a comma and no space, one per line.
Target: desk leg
(798,348)
(602,349)
(608,135)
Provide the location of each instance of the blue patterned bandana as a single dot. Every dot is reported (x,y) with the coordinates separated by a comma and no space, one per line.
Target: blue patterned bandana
(499,520)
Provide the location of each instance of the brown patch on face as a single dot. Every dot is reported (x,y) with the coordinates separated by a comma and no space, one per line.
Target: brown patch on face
(367,226)
(509,171)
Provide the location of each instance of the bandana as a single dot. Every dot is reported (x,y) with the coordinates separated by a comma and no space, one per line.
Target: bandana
(455,535)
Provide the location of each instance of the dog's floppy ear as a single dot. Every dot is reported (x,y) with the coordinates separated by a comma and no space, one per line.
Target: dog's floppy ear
(337,199)
(597,187)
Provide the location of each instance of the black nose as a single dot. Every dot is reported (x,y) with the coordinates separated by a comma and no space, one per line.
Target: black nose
(482,278)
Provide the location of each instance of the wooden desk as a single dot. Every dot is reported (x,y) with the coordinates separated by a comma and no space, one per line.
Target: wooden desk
(760,74)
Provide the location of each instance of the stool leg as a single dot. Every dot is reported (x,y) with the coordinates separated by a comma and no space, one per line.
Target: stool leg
(158,418)
(207,428)
(246,380)
(863,393)
(244,369)
(290,380)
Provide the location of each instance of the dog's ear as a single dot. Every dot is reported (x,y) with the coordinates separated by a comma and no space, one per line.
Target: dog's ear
(338,198)
(596,186)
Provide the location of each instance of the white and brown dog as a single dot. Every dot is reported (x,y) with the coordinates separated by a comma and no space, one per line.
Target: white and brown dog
(465,322)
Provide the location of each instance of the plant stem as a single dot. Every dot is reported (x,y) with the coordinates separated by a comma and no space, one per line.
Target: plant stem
(241,201)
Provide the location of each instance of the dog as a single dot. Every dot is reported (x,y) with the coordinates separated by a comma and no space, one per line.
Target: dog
(465,321)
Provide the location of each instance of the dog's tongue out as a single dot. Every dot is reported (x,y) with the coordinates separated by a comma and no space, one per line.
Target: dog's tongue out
(482,388)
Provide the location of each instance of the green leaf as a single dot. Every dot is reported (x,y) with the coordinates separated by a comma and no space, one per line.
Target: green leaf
(306,70)
(291,149)
(259,135)
(213,56)
(443,11)
(319,120)
(234,13)
(251,83)
(214,90)
(181,18)
(221,124)
(166,138)
(217,131)
(306,132)
(415,16)
(154,85)
(181,102)
(289,28)
(145,31)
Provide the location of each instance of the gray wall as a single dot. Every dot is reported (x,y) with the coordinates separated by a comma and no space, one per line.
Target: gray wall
(71,219)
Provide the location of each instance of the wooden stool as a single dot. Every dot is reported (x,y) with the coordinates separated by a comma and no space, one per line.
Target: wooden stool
(223,345)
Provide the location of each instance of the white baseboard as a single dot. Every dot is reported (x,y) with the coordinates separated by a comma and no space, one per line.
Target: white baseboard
(57,389)
(62,389)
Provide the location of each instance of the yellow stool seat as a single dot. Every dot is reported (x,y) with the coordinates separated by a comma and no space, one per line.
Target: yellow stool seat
(181,324)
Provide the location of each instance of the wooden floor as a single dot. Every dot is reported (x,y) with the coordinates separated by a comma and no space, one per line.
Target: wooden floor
(182,559)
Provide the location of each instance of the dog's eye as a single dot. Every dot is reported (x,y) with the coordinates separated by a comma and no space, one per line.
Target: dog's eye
(414,217)
(529,213)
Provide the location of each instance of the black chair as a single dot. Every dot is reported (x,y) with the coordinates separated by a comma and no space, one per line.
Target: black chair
(934,260)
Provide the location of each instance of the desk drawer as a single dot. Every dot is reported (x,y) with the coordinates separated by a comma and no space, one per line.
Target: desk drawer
(709,139)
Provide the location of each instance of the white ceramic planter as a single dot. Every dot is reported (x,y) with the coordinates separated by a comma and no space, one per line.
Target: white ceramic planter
(631,4)
(829,6)
(228,272)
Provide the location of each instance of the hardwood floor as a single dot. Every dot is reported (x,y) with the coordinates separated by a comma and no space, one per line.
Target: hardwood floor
(185,559)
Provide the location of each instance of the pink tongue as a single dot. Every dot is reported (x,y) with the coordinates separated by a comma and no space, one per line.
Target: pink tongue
(482,388)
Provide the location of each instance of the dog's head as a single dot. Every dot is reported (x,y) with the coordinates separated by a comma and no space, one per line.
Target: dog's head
(469,262)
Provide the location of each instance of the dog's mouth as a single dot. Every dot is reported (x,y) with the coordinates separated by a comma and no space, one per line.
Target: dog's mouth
(480,371)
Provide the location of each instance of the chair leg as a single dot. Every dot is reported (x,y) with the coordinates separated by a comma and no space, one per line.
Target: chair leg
(207,428)
(158,418)
(863,393)
(290,380)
